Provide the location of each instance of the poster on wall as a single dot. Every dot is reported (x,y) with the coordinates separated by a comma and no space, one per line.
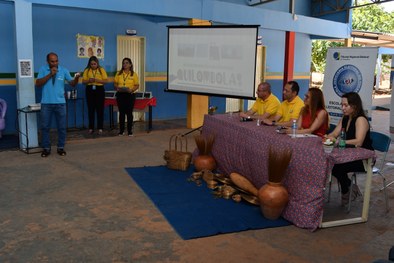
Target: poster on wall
(88,46)
(25,70)
(348,70)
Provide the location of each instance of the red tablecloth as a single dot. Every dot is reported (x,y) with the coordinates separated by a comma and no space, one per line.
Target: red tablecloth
(139,104)
(242,147)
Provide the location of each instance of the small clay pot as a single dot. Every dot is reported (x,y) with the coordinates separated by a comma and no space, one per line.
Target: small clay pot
(204,162)
(273,199)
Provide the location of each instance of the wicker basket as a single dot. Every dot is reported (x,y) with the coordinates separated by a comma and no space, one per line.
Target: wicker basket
(176,157)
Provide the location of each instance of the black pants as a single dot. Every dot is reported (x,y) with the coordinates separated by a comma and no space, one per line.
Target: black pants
(125,105)
(95,100)
(341,170)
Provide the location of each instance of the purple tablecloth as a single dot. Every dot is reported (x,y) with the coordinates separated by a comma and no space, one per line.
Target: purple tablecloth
(242,147)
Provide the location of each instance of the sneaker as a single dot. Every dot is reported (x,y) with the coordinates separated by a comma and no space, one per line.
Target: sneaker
(61,152)
(45,153)
(120,133)
(100,131)
(90,131)
(131,134)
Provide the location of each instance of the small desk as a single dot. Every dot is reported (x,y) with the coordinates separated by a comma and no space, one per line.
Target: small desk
(74,102)
(140,104)
(26,111)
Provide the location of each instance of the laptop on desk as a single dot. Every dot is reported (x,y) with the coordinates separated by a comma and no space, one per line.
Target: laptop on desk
(143,95)
(110,94)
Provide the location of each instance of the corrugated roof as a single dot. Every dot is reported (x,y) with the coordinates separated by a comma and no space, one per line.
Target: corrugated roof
(373,39)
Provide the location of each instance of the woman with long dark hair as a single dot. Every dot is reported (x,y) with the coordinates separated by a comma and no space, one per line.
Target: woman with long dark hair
(355,124)
(313,117)
(94,77)
(126,84)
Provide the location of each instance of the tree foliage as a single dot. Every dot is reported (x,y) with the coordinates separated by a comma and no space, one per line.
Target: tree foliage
(372,18)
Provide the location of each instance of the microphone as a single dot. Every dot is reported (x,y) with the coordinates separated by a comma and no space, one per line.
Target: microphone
(54,76)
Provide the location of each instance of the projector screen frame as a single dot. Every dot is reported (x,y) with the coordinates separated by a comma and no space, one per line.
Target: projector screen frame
(248,94)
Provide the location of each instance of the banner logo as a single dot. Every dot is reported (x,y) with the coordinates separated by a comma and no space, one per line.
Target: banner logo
(347,78)
(336,55)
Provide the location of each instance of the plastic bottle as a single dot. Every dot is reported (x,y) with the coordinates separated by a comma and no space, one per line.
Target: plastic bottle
(258,122)
(342,139)
(294,128)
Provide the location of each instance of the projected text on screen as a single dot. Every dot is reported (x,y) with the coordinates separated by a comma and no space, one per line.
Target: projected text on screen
(218,61)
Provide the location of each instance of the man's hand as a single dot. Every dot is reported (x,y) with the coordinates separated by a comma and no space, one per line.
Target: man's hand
(53,71)
(268,122)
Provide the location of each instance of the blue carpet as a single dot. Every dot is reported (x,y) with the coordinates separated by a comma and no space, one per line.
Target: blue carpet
(193,211)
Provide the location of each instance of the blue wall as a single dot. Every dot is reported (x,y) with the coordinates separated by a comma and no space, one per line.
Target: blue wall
(55,29)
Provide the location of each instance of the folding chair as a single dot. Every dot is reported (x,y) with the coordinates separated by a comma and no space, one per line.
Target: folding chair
(381,143)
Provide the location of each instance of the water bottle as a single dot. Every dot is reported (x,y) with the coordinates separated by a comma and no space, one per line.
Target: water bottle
(294,128)
(258,122)
(342,139)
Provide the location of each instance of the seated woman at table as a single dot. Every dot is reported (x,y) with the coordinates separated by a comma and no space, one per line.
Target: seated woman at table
(313,116)
(357,127)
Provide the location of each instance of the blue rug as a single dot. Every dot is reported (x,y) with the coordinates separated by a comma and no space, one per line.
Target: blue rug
(193,211)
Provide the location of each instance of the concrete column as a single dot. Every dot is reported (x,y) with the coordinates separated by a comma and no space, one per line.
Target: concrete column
(378,71)
(392,99)
(25,92)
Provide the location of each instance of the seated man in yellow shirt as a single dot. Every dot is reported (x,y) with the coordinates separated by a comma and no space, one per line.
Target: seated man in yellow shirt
(266,105)
(290,108)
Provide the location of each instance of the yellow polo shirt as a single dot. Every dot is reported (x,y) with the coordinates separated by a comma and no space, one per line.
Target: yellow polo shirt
(126,80)
(290,110)
(99,74)
(270,105)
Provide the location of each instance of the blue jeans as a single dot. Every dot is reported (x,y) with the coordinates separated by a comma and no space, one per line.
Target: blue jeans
(59,111)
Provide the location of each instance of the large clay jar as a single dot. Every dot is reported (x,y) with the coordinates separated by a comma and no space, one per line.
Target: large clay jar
(204,162)
(273,199)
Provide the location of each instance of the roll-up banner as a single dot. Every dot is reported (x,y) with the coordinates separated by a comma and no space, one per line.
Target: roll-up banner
(348,70)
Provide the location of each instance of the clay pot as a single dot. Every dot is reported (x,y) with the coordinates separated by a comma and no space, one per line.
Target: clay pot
(273,199)
(204,162)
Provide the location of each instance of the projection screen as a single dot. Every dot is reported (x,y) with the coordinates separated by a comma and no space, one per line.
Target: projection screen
(212,60)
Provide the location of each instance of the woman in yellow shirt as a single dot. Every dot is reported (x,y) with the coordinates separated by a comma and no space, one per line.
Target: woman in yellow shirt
(126,84)
(94,77)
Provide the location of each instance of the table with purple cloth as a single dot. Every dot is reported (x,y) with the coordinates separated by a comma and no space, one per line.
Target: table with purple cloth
(242,147)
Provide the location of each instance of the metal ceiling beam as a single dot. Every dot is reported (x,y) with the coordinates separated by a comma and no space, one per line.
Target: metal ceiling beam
(258,2)
(325,7)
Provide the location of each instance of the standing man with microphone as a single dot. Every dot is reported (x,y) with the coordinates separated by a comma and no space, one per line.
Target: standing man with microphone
(51,78)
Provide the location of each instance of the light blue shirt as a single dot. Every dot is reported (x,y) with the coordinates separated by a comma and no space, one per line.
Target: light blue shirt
(53,91)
